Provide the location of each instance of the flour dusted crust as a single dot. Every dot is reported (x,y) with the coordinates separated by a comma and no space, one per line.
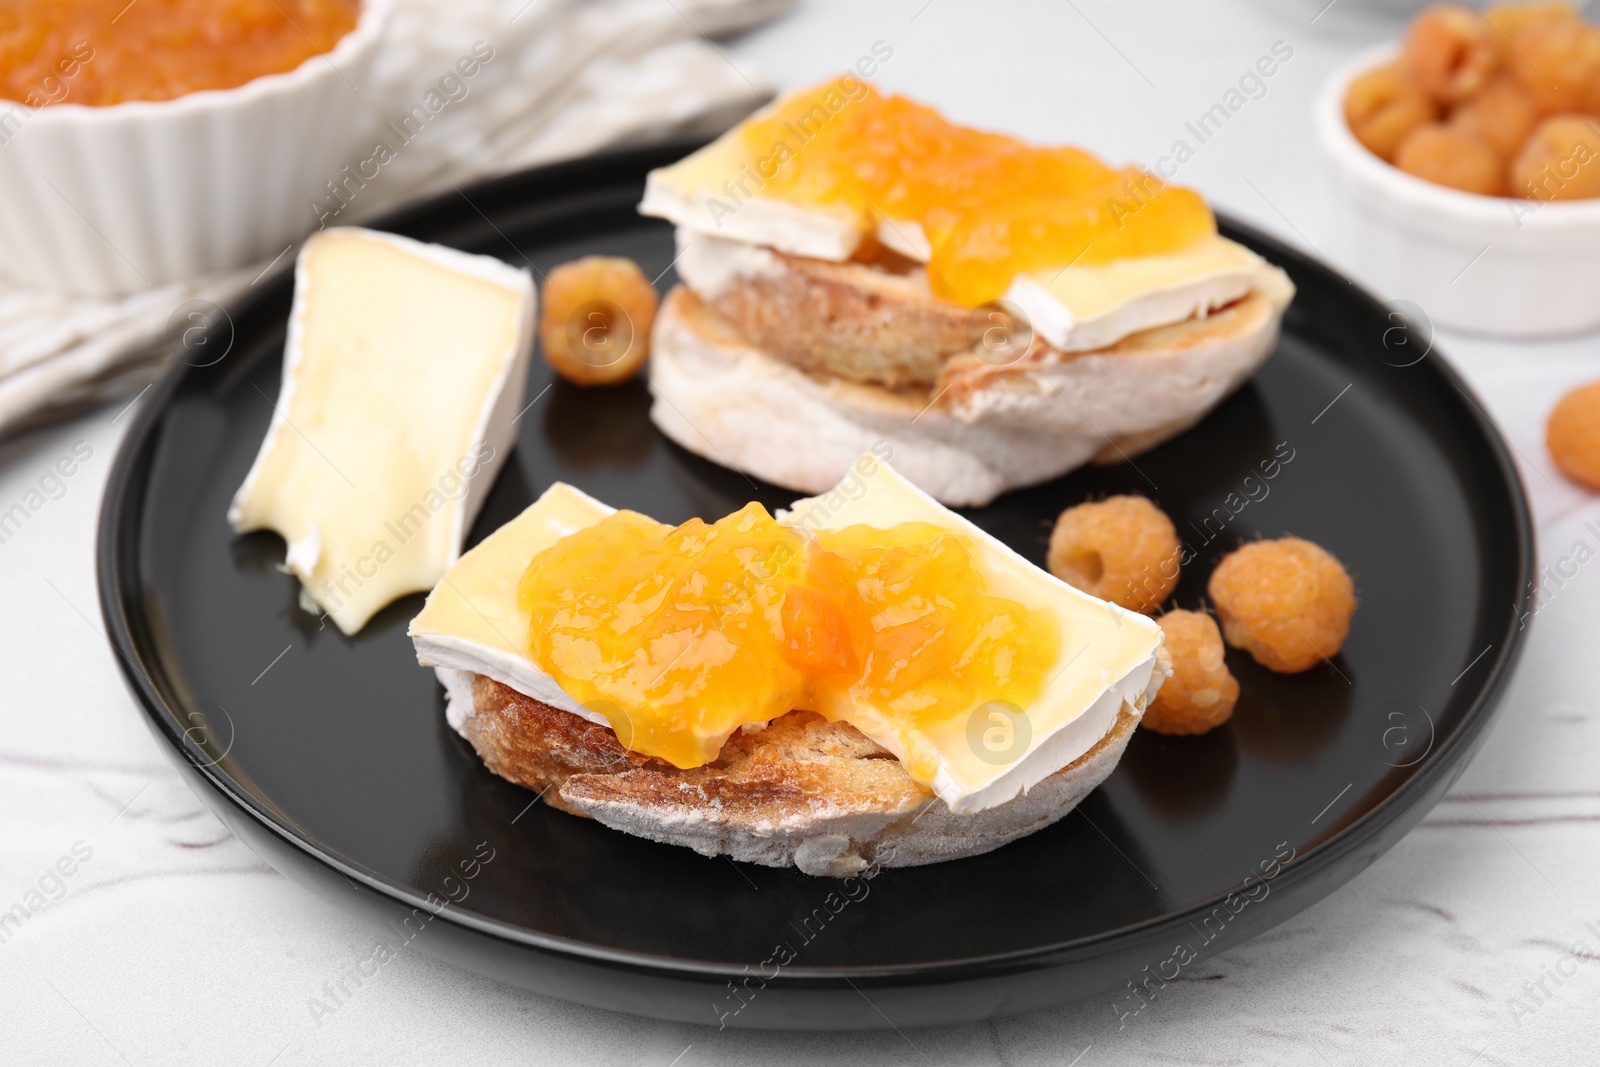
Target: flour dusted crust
(978,430)
(800,791)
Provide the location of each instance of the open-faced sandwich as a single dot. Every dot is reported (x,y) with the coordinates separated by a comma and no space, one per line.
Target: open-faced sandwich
(857,269)
(867,678)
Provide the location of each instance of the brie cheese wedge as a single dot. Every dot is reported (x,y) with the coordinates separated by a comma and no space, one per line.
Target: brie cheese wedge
(1108,656)
(404,369)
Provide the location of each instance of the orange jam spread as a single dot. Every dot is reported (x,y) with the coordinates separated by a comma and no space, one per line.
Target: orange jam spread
(992,207)
(101,52)
(678,636)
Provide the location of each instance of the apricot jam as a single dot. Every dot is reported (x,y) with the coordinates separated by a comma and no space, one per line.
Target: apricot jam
(992,206)
(678,636)
(101,52)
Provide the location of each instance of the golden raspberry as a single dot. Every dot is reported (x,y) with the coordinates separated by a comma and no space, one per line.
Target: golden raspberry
(1512,19)
(1201,693)
(598,312)
(1560,161)
(1556,61)
(1501,116)
(1451,51)
(1573,435)
(1123,549)
(1288,603)
(1383,105)
(1446,155)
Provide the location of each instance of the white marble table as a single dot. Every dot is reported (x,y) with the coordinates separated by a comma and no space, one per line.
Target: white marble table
(170,942)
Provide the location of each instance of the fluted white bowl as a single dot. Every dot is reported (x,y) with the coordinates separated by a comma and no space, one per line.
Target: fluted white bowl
(1484,264)
(108,200)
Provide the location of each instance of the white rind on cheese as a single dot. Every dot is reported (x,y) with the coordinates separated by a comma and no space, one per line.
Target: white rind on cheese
(472,624)
(334,471)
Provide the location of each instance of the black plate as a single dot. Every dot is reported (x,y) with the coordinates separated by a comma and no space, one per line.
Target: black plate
(331,755)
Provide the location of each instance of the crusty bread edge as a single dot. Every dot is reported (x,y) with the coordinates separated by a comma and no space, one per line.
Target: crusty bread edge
(840,846)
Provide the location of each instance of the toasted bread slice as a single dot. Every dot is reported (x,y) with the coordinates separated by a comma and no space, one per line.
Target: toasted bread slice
(978,431)
(800,791)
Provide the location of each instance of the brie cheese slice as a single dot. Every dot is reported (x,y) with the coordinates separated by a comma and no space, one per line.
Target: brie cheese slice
(698,193)
(404,369)
(1088,306)
(471,622)
(1108,655)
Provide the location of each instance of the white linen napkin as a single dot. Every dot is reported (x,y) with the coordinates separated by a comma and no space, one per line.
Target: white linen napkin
(567,77)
